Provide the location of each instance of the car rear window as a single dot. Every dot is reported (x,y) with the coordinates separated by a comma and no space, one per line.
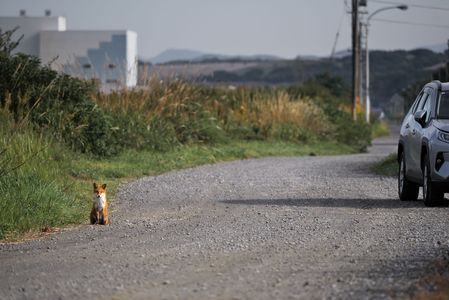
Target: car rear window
(443,106)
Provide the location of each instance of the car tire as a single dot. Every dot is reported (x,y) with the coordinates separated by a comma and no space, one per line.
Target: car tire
(408,191)
(432,196)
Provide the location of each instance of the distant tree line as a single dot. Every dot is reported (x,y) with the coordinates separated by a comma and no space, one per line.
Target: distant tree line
(391,72)
(441,74)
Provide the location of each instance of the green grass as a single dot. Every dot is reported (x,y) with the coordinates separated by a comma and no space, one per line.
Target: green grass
(53,186)
(379,128)
(388,166)
(34,190)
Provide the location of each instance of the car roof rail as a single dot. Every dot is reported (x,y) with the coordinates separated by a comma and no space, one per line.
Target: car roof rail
(437,82)
(444,86)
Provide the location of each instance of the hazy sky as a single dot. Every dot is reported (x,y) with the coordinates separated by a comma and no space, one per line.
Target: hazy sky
(286,28)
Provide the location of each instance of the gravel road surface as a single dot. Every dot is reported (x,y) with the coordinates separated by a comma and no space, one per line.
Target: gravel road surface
(272,228)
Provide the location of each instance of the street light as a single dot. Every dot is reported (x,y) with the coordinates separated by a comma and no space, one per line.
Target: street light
(367,100)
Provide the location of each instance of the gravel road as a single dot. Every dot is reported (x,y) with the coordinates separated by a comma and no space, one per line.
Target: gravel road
(271,228)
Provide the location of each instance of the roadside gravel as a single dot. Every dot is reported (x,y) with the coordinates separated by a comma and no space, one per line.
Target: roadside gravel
(287,227)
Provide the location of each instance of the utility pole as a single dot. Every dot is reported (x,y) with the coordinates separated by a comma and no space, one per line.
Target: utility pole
(355,58)
(361,94)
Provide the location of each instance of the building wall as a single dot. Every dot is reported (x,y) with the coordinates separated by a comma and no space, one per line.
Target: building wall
(109,56)
(64,47)
(30,28)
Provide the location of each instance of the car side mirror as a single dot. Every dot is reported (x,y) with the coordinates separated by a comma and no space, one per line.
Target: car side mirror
(420,117)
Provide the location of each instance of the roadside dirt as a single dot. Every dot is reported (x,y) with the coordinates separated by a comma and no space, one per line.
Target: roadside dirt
(272,228)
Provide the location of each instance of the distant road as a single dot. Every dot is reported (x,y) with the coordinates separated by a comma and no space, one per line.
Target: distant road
(271,228)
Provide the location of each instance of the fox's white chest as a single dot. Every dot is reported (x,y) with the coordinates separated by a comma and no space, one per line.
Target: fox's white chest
(99,201)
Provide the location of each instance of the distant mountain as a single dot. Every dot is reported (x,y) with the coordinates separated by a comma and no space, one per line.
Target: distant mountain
(343,53)
(234,58)
(309,57)
(390,71)
(176,54)
(437,48)
(185,55)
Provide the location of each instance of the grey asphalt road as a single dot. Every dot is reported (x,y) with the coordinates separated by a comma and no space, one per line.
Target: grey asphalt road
(271,228)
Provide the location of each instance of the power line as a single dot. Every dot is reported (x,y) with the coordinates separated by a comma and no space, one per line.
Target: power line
(411,23)
(412,5)
(338,34)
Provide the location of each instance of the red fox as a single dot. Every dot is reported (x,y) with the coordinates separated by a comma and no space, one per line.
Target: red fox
(99,213)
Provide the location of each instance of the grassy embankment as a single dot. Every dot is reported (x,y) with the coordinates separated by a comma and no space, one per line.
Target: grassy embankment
(58,134)
(44,184)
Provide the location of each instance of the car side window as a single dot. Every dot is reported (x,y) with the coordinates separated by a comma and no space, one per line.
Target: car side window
(417,102)
(443,106)
(426,107)
(423,101)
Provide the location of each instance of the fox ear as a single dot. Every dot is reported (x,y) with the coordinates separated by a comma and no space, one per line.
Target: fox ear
(95,185)
(104,186)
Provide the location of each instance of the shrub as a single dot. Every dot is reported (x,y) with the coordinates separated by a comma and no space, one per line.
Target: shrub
(356,134)
(58,104)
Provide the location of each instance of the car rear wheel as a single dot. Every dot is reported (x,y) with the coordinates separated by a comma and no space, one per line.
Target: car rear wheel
(431,194)
(407,189)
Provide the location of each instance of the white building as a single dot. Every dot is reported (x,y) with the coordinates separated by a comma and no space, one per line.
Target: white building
(109,56)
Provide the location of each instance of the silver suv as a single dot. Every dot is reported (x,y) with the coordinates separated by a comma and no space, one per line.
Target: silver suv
(423,150)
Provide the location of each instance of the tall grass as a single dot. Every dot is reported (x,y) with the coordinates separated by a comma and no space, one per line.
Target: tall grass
(34,192)
(281,117)
(164,115)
